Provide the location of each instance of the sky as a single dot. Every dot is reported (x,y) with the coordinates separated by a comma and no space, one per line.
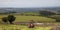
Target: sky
(29,3)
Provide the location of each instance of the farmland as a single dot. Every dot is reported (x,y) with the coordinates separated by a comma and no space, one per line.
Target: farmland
(20,18)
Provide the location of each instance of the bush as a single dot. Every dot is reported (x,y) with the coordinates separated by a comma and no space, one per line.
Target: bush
(4,19)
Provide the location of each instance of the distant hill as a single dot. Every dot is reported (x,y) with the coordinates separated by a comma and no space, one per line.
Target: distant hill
(20,10)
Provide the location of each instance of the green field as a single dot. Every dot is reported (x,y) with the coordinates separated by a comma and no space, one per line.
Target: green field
(21,27)
(20,18)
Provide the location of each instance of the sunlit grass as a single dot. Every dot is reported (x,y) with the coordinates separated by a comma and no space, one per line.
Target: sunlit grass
(20,18)
(22,27)
(35,18)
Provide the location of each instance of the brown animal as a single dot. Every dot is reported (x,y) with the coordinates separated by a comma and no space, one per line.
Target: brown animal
(31,24)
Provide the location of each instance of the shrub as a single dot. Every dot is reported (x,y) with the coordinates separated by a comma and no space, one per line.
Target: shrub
(4,19)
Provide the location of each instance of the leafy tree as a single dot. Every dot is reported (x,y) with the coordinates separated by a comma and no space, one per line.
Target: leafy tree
(11,18)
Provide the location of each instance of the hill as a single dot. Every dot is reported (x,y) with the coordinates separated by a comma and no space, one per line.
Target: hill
(19,10)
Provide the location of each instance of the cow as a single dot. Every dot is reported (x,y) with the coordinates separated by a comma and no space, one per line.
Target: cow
(31,24)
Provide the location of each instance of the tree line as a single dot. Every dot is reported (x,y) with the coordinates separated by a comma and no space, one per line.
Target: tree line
(50,14)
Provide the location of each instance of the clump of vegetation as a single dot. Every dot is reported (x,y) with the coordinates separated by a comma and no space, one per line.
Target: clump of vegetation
(4,19)
(11,18)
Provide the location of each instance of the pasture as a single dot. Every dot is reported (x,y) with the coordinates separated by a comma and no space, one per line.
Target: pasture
(20,18)
(21,27)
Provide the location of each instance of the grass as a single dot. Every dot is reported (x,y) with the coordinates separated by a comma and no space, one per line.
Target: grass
(22,27)
(20,18)
(35,18)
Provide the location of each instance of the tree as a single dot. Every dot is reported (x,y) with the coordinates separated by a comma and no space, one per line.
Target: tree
(11,18)
(46,13)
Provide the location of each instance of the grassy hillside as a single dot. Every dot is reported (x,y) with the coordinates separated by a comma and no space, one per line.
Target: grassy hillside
(20,18)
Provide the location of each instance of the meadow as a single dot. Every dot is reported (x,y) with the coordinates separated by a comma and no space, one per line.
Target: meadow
(21,27)
(20,18)
(23,18)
